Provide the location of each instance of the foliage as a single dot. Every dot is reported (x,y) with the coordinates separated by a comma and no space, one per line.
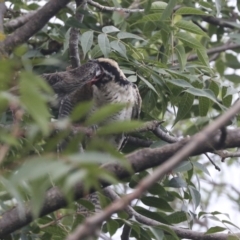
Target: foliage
(153,50)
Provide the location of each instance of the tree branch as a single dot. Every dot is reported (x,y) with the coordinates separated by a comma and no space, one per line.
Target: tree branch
(35,23)
(19,21)
(217,21)
(139,160)
(197,140)
(181,232)
(74,36)
(214,50)
(3,9)
(105,8)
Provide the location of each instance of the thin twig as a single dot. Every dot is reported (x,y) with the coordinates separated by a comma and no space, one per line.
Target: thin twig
(105,8)
(74,36)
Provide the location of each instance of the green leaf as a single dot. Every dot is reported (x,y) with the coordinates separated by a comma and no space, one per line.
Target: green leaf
(183,167)
(204,104)
(158,5)
(157,232)
(181,55)
(190,27)
(215,229)
(73,22)
(104,112)
(119,127)
(177,217)
(232,238)
(213,86)
(110,29)
(230,223)
(33,100)
(119,47)
(86,42)
(189,11)
(123,35)
(148,84)
(202,93)
(153,17)
(227,99)
(196,197)
(156,202)
(81,110)
(201,167)
(179,82)
(188,40)
(184,106)
(104,44)
(170,231)
(177,182)
(112,226)
(168,10)
(202,56)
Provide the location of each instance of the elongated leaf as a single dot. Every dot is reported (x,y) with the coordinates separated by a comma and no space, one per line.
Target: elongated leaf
(204,104)
(213,86)
(33,100)
(123,35)
(158,5)
(190,27)
(202,55)
(86,41)
(180,83)
(168,10)
(182,59)
(170,231)
(227,99)
(119,127)
(215,229)
(112,226)
(159,203)
(177,217)
(148,84)
(188,40)
(104,44)
(119,47)
(183,167)
(177,182)
(196,197)
(184,106)
(189,11)
(104,112)
(153,17)
(201,167)
(202,93)
(157,232)
(81,110)
(110,29)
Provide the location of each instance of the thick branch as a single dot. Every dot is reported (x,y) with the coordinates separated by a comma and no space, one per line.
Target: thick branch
(105,8)
(217,21)
(35,23)
(194,144)
(19,21)
(140,160)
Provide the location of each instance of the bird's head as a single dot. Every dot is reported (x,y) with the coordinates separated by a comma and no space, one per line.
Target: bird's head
(110,71)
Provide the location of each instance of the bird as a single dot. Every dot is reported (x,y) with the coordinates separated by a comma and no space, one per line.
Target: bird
(102,81)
